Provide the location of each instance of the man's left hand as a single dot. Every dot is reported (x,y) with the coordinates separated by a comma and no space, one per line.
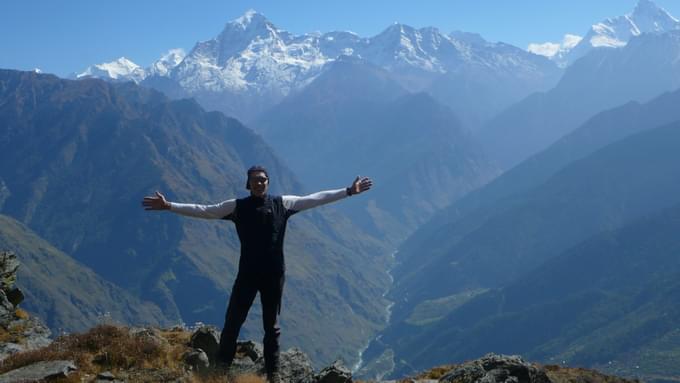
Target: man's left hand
(360,185)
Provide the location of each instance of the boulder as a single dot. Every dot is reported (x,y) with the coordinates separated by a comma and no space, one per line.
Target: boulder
(250,349)
(296,367)
(6,310)
(207,338)
(15,296)
(8,270)
(335,373)
(197,360)
(40,371)
(27,334)
(494,368)
(149,334)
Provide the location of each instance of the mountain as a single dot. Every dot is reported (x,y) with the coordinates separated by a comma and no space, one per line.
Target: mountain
(355,119)
(609,303)
(65,293)
(488,78)
(166,63)
(601,130)
(121,69)
(76,157)
(470,249)
(252,65)
(603,79)
(616,32)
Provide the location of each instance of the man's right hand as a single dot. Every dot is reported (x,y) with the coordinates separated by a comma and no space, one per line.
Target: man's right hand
(157,202)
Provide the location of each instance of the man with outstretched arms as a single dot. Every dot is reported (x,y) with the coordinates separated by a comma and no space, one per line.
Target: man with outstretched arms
(260,221)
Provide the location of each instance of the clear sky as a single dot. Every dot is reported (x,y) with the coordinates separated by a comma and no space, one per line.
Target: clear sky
(64,36)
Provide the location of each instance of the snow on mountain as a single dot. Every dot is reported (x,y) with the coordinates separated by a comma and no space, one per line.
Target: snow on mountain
(555,50)
(169,60)
(252,64)
(614,32)
(121,69)
(250,54)
(401,46)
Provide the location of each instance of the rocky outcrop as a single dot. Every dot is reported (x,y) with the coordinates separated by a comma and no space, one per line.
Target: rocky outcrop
(335,373)
(18,331)
(39,372)
(494,368)
(296,367)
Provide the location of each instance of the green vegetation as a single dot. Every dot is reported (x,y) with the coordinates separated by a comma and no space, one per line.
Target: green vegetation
(433,310)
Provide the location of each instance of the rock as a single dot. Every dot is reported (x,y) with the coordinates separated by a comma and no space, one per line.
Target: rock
(15,296)
(335,373)
(494,368)
(207,338)
(9,348)
(467,373)
(250,349)
(197,360)
(6,310)
(39,371)
(249,358)
(150,334)
(296,367)
(8,270)
(106,376)
(27,334)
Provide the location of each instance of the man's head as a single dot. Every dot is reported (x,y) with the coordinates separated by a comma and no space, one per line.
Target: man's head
(258,181)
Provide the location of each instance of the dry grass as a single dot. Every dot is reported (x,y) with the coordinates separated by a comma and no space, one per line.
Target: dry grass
(12,334)
(436,372)
(559,374)
(151,357)
(218,378)
(21,314)
(102,348)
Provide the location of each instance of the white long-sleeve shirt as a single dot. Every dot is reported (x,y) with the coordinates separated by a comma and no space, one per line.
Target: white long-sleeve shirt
(290,202)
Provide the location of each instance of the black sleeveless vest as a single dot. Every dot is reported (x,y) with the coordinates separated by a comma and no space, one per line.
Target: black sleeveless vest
(261,227)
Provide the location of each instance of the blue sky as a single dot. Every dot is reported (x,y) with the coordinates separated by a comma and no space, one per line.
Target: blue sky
(62,36)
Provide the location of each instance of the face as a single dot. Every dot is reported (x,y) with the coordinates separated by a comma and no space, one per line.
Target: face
(259,183)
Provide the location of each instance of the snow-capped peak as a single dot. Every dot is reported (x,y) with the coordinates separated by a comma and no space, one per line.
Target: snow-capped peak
(253,22)
(615,32)
(648,17)
(169,60)
(119,69)
(247,18)
(555,50)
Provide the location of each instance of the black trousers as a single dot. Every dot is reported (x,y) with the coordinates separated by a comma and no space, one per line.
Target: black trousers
(246,286)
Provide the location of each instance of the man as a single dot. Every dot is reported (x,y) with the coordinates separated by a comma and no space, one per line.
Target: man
(261,224)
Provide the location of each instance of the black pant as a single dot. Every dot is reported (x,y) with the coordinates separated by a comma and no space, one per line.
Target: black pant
(243,294)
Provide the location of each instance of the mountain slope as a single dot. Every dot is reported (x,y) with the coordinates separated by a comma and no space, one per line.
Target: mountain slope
(68,295)
(501,244)
(353,119)
(643,69)
(616,32)
(608,303)
(603,129)
(76,157)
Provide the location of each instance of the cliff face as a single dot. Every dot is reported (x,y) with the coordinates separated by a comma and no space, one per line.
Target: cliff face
(18,331)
